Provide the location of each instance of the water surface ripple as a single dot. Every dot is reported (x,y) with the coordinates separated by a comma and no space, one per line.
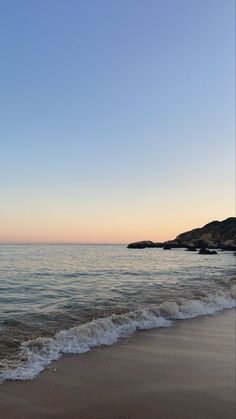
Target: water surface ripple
(48,289)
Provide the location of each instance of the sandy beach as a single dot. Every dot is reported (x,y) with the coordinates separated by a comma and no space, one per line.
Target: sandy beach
(186,372)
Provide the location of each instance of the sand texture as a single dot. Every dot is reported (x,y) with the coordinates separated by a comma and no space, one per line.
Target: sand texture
(186,372)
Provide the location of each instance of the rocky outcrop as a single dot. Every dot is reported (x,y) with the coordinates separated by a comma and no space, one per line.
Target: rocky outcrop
(214,235)
(207,252)
(191,249)
(143,244)
(167,246)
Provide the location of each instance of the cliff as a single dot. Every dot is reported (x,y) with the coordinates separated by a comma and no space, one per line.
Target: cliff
(217,234)
(214,235)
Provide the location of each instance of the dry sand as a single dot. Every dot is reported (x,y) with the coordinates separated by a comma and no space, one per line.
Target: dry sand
(186,372)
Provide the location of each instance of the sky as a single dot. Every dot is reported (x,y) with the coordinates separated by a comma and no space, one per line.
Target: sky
(116,118)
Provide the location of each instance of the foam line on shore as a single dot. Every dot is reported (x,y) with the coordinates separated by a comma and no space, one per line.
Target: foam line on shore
(36,354)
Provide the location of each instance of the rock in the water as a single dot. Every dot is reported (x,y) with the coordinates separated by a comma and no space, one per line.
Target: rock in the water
(207,252)
(167,247)
(214,235)
(143,244)
(140,245)
(191,249)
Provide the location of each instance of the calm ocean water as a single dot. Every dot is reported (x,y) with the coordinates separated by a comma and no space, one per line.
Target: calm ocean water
(57,299)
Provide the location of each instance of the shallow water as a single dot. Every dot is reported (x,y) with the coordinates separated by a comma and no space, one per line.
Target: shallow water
(56,299)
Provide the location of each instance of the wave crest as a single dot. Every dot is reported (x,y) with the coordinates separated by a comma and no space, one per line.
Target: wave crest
(35,355)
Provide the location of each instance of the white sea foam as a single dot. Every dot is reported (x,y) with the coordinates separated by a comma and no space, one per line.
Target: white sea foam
(188,309)
(37,354)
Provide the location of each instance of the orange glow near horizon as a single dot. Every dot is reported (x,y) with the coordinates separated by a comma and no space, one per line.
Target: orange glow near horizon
(121,126)
(100,230)
(114,217)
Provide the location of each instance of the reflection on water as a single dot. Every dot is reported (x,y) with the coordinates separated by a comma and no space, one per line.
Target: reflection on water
(47,288)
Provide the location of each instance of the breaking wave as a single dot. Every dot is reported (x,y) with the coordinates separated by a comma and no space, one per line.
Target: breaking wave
(36,354)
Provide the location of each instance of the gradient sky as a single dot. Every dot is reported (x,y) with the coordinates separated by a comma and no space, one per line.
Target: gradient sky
(116,119)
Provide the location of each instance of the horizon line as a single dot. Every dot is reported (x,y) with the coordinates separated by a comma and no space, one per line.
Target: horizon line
(63,243)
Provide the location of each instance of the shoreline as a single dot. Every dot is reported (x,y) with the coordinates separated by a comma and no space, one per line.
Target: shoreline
(183,372)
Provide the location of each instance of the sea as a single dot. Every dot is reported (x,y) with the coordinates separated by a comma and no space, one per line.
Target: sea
(63,299)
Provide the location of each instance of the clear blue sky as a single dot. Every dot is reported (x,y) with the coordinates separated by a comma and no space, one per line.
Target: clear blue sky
(117,118)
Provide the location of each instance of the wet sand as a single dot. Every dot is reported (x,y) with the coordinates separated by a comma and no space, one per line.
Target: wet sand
(186,372)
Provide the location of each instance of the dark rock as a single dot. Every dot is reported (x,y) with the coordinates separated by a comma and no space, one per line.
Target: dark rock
(158,245)
(173,243)
(143,244)
(167,247)
(140,245)
(228,247)
(207,252)
(214,235)
(191,249)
